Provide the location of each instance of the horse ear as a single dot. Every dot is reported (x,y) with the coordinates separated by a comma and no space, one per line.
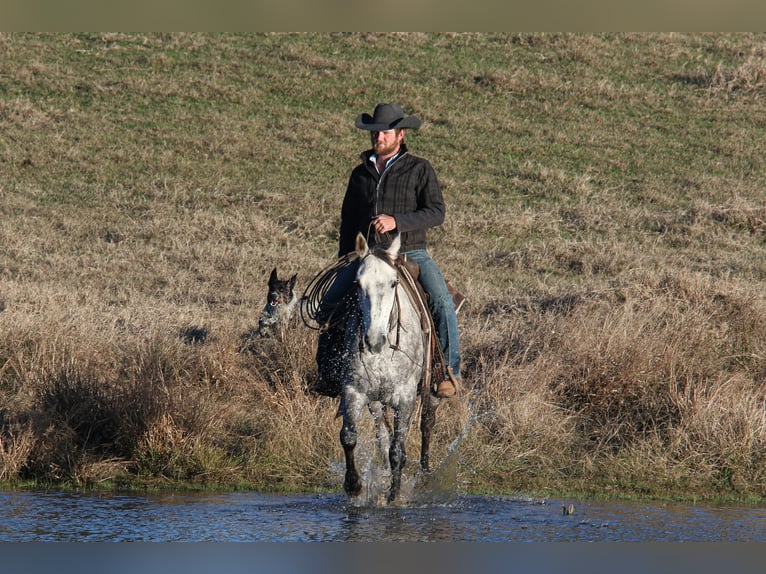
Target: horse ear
(393,249)
(361,245)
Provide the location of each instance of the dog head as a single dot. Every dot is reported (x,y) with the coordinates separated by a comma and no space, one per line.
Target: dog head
(280,301)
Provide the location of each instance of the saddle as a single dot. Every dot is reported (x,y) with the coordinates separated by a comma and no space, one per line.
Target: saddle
(414,269)
(330,341)
(435,367)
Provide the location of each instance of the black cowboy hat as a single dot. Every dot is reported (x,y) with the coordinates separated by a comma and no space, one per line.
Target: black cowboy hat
(386,117)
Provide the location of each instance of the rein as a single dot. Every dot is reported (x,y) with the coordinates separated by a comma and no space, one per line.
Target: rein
(398,304)
(382,255)
(433,366)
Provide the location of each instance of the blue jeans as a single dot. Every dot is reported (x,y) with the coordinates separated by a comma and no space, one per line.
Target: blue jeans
(442,306)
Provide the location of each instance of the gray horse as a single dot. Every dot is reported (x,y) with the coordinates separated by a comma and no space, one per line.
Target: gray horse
(383,364)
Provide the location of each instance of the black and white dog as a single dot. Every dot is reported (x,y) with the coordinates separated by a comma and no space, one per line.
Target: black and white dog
(280,304)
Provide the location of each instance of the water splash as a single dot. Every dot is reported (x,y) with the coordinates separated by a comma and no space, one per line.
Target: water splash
(440,486)
(375,476)
(437,487)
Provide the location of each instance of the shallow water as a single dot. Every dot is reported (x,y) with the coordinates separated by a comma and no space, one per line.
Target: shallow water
(70,517)
(429,510)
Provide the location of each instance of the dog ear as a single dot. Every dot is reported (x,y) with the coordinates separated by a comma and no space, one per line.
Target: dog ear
(273,276)
(292,281)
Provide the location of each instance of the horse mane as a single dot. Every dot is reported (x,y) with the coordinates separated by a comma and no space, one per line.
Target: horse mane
(381,253)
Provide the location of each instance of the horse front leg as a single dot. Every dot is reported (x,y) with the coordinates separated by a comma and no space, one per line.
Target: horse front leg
(352,484)
(382,432)
(427,421)
(397,455)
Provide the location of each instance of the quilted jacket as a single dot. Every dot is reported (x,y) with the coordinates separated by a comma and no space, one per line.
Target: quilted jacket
(408,190)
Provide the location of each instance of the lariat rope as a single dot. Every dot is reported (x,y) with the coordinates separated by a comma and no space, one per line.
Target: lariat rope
(316,289)
(318,286)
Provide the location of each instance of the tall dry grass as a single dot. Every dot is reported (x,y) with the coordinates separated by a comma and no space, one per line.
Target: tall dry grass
(653,388)
(605,219)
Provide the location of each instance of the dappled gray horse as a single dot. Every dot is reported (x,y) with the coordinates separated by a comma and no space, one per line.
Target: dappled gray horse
(384,354)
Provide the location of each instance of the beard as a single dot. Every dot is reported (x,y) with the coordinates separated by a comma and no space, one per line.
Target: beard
(385,149)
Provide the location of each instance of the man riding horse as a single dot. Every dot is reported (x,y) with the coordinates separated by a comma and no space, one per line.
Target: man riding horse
(390,191)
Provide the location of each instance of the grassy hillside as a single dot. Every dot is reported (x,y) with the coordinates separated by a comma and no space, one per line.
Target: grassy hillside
(605,219)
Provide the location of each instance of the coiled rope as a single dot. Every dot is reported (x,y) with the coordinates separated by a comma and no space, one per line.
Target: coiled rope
(315,292)
(316,289)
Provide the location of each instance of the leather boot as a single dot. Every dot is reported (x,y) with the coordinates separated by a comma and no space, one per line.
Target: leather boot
(448,387)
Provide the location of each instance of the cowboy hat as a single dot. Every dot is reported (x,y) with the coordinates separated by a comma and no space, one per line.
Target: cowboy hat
(386,117)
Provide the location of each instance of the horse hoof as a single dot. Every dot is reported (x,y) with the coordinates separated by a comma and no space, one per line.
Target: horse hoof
(392,495)
(352,488)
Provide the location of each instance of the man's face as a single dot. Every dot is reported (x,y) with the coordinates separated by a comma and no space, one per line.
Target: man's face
(386,143)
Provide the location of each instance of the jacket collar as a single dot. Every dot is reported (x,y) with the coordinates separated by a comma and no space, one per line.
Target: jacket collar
(367,155)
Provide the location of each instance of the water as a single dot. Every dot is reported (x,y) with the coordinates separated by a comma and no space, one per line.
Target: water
(253,517)
(430,511)
(219,523)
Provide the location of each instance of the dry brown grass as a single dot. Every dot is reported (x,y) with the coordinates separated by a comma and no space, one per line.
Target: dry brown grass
(606,391)
(748,77)
(605,220)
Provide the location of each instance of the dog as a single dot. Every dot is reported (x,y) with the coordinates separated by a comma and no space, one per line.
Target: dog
(280,303)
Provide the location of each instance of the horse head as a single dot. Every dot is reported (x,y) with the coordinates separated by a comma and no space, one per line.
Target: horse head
(280,302)
(377,280)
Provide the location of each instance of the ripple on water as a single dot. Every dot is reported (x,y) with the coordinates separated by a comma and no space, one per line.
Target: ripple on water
(46,516)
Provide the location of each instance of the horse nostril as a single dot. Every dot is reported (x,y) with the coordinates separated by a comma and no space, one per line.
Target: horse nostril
(375,345)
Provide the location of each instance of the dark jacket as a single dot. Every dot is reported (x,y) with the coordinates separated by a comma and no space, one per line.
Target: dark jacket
(408,190)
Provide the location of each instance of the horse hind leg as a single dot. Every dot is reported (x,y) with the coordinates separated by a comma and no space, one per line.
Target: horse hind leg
(397,457)
(427,421)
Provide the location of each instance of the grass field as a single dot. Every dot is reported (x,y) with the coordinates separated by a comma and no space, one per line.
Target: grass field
(605,218)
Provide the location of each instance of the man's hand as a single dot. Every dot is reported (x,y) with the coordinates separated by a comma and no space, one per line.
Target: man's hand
(383,223)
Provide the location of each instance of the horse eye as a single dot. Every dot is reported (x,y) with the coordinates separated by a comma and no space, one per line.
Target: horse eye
(394,283)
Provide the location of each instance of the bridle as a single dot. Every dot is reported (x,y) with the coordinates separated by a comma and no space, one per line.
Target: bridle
(394,318)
